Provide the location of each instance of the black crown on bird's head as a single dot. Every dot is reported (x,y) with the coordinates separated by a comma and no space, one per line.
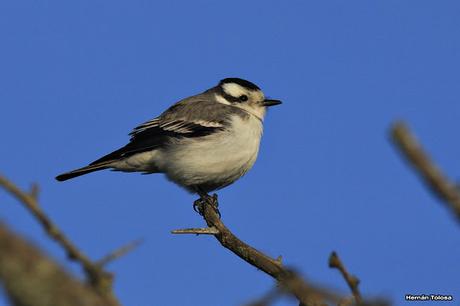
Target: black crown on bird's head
(240,82)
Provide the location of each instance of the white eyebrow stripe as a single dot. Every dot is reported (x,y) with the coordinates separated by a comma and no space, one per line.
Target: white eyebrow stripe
(221,99)
(233,89)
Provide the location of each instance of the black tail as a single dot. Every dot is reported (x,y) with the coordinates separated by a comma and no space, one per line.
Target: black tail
(81,171)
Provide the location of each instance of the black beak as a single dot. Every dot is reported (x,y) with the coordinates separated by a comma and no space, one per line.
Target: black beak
(269,102)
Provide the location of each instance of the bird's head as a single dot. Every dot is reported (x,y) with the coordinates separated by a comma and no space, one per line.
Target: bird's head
(245,95)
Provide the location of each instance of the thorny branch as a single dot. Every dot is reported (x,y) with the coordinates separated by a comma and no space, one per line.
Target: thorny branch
(352,281)
(432,176)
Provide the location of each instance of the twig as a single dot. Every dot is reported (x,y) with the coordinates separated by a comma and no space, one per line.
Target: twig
(352,281)
(288,280)
(122,251)
(197,231)
(97,277)
(432,176)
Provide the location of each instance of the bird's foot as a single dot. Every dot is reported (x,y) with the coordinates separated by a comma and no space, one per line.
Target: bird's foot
(198,206)
(206,199)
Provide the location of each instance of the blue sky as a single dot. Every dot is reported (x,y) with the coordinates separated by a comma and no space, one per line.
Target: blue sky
(76,77)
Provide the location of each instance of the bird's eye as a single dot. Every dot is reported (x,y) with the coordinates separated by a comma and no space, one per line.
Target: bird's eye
(243,98)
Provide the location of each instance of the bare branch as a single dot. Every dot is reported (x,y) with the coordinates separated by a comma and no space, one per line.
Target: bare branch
(288,280)
(97,277)
(32,279)
(119,253)
(197,231)
(432,176)
(352,281)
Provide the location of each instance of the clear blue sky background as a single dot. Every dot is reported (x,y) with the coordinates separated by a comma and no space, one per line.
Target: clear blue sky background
(75,77)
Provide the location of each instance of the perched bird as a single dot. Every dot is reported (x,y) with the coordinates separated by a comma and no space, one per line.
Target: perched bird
(202,143)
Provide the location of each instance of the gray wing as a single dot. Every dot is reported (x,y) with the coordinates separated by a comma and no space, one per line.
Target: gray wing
(198,110)
(188,118)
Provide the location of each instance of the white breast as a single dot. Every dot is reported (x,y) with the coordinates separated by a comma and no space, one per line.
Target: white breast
(216,160)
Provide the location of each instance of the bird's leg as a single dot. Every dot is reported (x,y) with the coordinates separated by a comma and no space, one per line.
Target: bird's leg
(212,200)
(204,199)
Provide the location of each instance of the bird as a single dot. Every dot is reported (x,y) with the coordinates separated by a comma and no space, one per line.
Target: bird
(202,143)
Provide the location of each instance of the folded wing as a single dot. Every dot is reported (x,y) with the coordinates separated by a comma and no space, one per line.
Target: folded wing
(157,132)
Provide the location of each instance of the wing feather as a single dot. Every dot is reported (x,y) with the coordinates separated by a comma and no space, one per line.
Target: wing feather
(196,116)
(153,134)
